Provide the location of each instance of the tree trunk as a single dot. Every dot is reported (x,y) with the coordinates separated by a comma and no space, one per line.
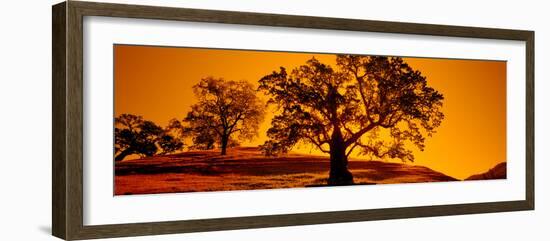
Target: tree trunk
(225,139)
(122,155)
(339,173)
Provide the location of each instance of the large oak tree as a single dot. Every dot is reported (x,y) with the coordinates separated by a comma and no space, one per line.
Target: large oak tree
(227,111)
(346,108)
(135,135)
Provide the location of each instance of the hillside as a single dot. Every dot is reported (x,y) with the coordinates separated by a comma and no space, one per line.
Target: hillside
(497,172)
(247,168)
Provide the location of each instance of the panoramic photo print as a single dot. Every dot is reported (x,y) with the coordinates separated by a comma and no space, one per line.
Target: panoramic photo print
(198,119)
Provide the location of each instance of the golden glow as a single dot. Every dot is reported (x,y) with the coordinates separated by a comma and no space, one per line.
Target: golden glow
(156,83)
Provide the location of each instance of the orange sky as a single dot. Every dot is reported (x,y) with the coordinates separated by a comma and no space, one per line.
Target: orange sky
(156,83)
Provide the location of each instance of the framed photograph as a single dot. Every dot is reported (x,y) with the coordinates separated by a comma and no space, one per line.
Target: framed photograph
(172,120)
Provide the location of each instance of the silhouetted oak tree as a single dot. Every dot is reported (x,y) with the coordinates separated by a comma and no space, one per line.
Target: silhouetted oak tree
(339,110)
(134,135)
(227,111)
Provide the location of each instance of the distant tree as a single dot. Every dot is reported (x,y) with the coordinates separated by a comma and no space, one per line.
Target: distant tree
(338,110)
(227,111)
(168,144)
(134,135)
(176,128)
(202,138)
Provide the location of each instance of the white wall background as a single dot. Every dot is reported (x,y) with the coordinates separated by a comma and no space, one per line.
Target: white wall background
(25,120)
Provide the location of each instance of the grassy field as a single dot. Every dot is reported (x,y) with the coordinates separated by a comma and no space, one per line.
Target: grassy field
(246,168)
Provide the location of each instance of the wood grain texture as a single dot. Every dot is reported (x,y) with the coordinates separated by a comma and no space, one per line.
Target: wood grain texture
(74,121)
(59,192)
(67,78)
(530,120)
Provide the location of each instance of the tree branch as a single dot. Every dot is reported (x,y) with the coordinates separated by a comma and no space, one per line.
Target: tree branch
(355,144)
(318,143)
(239,117)
(357,135)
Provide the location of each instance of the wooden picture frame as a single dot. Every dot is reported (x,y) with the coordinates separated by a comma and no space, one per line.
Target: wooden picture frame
(67,152)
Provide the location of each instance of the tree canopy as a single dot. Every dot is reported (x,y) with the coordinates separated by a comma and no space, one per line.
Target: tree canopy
(342,109)
(227,111)
(134,135)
